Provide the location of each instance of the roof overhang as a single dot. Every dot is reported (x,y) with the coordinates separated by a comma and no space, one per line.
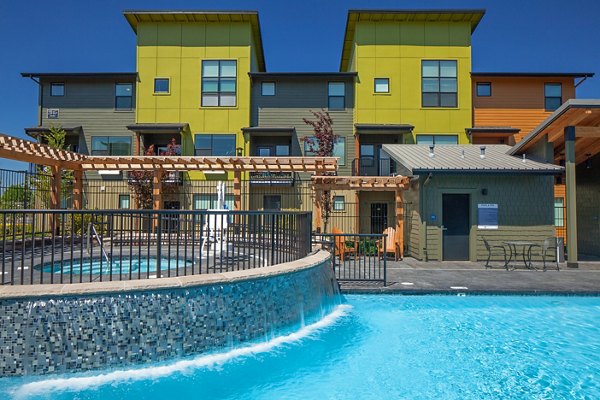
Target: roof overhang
(366,183)
(82,75)
(534,74)
(301,75)
(383,128)
(269,130)
(354,16)
(134,17)
(144,128)
(492,131)
(36,131)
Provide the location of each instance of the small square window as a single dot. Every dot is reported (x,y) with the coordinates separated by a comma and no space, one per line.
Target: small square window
(57,89)
(382,85)
(339,203)
(124,201)
(484,89)
(161,85)
(268,88)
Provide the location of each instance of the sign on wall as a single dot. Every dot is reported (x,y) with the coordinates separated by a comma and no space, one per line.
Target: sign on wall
(52,113)
(487,216)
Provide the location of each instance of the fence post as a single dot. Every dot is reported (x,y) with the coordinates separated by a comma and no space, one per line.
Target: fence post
(158,244)
(384,260)
(272,238)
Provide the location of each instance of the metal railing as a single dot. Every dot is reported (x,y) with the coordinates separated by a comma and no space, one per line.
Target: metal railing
(370,166)
(357,257)
(63,246)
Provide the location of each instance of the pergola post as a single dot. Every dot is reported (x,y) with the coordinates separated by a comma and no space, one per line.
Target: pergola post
(318,213)
(157,198)
(78,189)
(571,197)
(55,187)
(138,144)
(400,221)
(237,190)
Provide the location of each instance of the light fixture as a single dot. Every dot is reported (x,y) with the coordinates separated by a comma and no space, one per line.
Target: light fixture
(239,151)
(588,161)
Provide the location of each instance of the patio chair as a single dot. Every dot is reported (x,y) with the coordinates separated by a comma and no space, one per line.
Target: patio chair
(392,243)
(341,248)
(545,250)
(494,248)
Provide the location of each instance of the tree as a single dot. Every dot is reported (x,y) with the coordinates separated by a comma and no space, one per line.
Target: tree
(141,182)
(15,196)
(322,146)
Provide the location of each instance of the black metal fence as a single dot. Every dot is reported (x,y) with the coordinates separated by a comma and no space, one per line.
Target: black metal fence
(60,246)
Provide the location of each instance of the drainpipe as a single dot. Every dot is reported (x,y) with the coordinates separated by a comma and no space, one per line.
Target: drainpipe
(40,99)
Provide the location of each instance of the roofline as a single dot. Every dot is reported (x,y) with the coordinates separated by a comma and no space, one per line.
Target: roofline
(571,103)
(78,74)
(408,11)
(385,127)
(258,34)
(534,74)
(268,128)
(499,129)
(420,171)
(302,74)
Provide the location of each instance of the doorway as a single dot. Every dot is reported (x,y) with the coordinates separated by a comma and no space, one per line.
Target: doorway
(379,214)
(455,227)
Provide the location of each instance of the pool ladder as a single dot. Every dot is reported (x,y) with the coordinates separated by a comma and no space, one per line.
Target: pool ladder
(93,233)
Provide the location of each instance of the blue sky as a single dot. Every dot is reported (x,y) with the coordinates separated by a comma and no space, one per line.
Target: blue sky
(301,35)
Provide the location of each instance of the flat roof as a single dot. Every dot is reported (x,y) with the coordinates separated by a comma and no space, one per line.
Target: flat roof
(535,74)
(157,127)
(79,74)
(416,160)
(136,16)
(383,128)
(404,15)
(302,74)
(493,129)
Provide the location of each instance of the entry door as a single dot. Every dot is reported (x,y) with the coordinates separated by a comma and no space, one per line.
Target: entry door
(456,226)
(379,212)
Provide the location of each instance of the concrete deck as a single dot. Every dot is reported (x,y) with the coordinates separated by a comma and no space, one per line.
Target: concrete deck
(411,276)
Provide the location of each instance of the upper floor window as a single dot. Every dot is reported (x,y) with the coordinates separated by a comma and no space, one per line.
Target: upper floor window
(339,148)
(219,83)
(382,85)
(336,92)
(124,96)
(57,89)
(111,145)
(552,96)
(439,83)
(484,89)
(437,140)
(267,88)
(161,85)
(214,145)
(280,150)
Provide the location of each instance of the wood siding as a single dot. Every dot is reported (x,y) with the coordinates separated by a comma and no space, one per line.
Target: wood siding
(517,102)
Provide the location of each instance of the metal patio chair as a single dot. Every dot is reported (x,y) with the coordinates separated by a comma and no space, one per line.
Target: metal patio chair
(494,248)
(545,250)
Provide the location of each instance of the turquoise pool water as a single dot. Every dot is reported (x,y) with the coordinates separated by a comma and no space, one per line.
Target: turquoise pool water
(381,347)
(123,265)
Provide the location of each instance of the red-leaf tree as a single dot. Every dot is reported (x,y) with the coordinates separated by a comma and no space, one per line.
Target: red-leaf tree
(321,145)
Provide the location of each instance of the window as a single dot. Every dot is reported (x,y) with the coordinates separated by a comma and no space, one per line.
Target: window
(111,145)
(382,85)
(214,145)
(552,96)
(124,201)
(219,83)
(124,96)
(281,150)
(267,89)
(161,85)
(484,89)
(439,84)
(437,140)
(57,89)
(208,201)
(339,203)
(339,148)
(559,211)
(336,92)
(272,202)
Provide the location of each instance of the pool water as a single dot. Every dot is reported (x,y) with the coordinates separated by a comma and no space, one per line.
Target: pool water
(124,266)
(381,347)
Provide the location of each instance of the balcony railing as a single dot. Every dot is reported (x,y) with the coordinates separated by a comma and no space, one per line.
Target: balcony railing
(369,166)
(272,178)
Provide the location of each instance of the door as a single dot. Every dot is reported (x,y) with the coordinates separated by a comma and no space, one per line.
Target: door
(379,212)
(171,221)
(272,202)
(456,226)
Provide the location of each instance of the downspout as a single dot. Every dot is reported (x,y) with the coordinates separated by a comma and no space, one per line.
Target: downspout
(40,99)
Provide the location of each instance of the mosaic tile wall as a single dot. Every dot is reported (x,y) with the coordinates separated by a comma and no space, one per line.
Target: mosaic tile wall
(78,333)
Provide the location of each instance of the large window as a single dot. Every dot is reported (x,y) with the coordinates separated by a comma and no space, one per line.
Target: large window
(336,92)
(552,96)
(439,83)
(124,96)
(484,89)
(208,201)
(339,148)
(57,89)
(111,145)
(214,145)
(280,150)
(437,140)
(219,83)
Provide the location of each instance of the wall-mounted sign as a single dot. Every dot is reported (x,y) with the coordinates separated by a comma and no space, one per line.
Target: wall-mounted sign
(433,217)
(52,113)
(487,216)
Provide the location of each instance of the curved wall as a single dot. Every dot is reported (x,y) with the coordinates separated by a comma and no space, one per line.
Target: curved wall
(82,327)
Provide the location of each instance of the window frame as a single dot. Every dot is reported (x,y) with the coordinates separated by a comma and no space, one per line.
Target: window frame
(262,88)
(439,78)
(489,84)
(117,97)
(219,80)
(160,78)
(559,212)
(375,86)
(342,161)
(546,98)
(330,96)
(57,84)
(434,136)
(334,206)
(211,148)
(93,152)
(122,197)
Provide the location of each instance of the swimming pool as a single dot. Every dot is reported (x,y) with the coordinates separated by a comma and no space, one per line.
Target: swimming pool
(380,347)
(123,265)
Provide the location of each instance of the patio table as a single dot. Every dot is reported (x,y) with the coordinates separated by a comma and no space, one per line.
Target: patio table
(526,252)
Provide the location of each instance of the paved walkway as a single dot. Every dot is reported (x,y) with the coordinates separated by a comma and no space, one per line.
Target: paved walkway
(412,276)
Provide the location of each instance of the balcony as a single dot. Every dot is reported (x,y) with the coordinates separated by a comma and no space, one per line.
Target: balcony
(370,166)
(272,178)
